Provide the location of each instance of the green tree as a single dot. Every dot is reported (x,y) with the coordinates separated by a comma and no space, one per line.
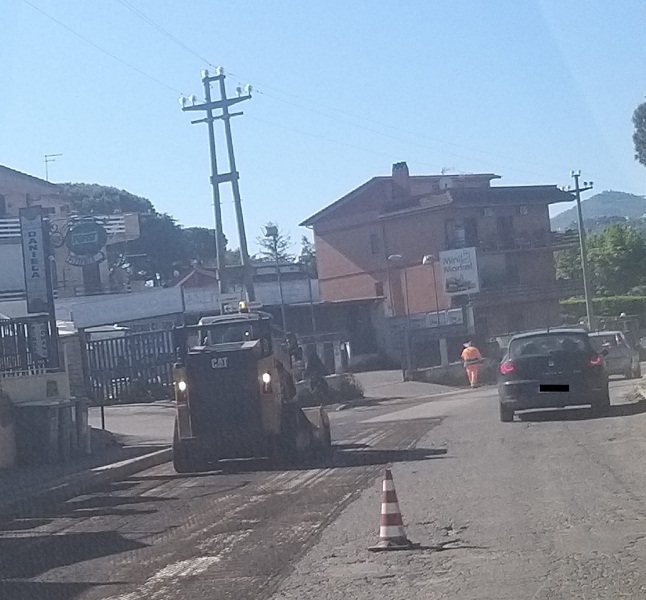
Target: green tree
(308,256)
(568,263)
(282,247)
(639,136)
(92,198)
(200,246)
(617,259)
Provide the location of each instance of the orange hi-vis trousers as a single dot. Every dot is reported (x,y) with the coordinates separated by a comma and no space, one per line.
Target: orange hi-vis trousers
(472,373)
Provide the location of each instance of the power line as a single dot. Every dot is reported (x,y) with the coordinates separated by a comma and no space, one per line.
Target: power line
(262,91)
(101,49)
(334,141)
(163,31)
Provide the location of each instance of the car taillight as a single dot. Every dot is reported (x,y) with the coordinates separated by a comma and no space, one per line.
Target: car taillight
(507,367)
(595,361)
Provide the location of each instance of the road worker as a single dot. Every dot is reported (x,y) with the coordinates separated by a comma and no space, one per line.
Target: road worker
(472,359)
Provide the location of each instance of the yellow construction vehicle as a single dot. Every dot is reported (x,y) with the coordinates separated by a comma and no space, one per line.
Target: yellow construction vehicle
(236,396)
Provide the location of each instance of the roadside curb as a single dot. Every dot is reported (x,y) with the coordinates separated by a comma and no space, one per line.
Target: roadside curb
(80,483)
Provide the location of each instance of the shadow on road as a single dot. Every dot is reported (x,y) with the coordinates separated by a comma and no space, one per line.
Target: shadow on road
(377,456)
(583,414)
(38,590)
(26,557)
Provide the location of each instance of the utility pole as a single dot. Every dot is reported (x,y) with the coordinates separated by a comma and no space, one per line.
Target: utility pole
(584,255)
(217,178)
(49,158)
(234,177)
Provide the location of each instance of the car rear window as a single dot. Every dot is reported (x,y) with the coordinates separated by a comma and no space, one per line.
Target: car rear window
(547,344)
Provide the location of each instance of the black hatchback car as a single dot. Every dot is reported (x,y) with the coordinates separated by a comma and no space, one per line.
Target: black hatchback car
(552,368)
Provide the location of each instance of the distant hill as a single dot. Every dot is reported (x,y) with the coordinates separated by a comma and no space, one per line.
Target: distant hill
(601,207)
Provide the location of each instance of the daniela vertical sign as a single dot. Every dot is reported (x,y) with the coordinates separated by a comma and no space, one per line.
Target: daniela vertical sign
(35,259)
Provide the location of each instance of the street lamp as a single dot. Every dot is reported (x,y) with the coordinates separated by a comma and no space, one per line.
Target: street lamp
(398,258)
(271,231)
(431,259)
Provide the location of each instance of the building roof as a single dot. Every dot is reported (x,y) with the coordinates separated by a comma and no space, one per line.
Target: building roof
(20,175)
(211,274)
(516,194)
(381,180)
(330,208)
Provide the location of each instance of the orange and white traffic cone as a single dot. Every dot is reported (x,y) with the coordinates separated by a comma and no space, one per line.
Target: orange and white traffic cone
(392,535)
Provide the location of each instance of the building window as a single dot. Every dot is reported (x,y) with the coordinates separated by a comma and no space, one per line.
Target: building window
(379,289)
(505,227)
(374,243)
(3,206)
(470,231)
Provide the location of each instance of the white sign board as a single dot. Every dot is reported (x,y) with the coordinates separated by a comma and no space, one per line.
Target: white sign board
(459,271)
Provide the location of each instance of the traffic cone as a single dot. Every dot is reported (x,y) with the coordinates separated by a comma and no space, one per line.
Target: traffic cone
(392,535)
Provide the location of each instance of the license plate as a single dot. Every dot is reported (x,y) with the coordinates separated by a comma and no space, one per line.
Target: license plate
(553,387)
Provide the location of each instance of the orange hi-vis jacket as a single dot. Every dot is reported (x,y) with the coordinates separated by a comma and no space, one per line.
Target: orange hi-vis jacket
(471,355)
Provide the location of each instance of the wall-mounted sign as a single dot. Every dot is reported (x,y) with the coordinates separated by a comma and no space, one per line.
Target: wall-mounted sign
(39,339)
(460,271)
(85,240)
(34,255)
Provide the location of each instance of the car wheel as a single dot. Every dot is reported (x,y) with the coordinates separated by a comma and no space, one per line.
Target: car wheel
(506,413)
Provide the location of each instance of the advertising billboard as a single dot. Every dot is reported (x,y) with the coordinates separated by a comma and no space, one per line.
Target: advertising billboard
(460,271)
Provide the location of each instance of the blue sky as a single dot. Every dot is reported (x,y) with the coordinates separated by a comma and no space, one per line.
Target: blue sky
(527,89)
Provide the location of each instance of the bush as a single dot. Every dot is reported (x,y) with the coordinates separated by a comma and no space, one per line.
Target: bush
(573,309)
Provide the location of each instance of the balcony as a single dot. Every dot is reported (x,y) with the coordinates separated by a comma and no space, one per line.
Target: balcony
(560,289)
(526,240)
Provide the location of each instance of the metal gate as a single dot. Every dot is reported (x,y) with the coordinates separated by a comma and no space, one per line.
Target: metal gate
(130,368)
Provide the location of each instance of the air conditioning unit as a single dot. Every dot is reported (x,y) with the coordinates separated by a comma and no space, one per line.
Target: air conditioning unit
(524,210)
(487,212)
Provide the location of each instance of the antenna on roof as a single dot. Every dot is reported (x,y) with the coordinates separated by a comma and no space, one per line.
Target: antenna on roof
(49,158)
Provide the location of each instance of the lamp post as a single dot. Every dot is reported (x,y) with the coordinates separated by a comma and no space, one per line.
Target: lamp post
(430,259)
(397,258)
(271,231)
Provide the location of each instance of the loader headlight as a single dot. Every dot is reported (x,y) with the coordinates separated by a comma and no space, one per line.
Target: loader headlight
(182,386)
(266,383)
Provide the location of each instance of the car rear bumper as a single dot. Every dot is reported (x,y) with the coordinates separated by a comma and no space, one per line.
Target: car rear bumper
(527,395)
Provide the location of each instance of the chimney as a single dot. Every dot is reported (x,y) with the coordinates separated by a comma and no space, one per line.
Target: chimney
(401,181)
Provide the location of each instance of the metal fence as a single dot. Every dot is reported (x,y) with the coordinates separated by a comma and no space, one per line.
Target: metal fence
(28,346)
(130,368)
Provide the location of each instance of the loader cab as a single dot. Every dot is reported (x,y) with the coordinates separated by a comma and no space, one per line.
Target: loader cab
(213,332)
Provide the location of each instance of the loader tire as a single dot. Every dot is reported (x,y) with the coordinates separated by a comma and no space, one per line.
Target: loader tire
(187,458)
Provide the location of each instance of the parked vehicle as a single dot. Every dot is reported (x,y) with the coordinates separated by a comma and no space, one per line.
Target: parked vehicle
(621,357)
(552,368)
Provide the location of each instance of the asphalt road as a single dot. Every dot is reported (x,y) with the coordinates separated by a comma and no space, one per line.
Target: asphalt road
(548,507)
